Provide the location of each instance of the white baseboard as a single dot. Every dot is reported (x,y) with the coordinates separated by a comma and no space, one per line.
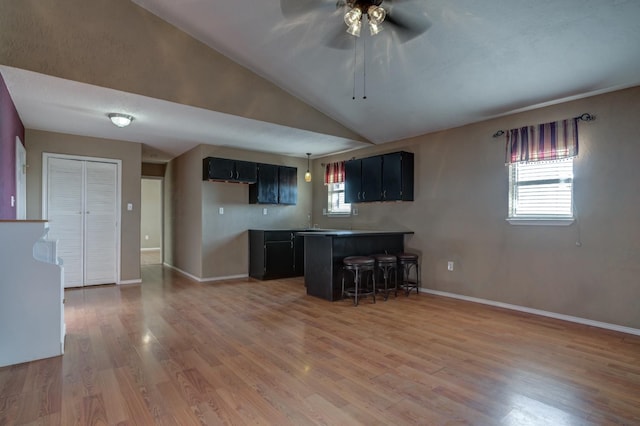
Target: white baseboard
(569,318)
(208,279)
(125,282)
(150,249)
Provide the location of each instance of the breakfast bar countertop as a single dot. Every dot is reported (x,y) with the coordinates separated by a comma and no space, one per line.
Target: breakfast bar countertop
(348,233)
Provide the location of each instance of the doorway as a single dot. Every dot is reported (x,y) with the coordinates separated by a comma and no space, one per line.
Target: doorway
(151,222)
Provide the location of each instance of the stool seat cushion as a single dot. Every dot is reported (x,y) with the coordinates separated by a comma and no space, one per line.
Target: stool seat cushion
(384,257)
(407,256)
(358,260)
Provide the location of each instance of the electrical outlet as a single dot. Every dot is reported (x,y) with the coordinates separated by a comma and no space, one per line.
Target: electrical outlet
(221,210)
(355,211)
(264,211)
(450,265)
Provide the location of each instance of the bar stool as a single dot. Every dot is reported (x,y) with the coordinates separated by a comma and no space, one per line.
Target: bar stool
(359,265)
(407,262)
(385,263)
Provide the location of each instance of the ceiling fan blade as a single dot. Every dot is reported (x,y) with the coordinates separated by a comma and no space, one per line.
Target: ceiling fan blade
(296,8)
(407,24)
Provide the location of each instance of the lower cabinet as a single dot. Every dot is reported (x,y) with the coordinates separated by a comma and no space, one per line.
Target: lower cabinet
(275,254)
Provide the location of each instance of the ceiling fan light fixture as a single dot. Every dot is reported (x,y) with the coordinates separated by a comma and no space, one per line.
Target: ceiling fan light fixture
(354,29)
(120,120)
(376,15)
(352,17)
(374,28)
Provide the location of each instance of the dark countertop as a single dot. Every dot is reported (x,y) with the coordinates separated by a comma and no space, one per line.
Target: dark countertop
(348,233)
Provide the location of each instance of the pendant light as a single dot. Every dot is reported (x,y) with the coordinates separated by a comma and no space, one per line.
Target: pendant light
(307,175)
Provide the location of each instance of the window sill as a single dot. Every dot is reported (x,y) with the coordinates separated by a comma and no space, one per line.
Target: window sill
(540,221)
(338,214)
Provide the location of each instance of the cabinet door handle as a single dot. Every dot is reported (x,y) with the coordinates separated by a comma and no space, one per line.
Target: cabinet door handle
(384,194)
(291,243)
(237,174)
(358,195)
(363,197)
(231,174)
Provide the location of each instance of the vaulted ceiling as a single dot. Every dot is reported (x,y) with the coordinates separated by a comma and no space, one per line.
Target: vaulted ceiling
(294,91)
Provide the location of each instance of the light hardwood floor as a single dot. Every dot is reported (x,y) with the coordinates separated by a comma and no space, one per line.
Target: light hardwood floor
(173,351)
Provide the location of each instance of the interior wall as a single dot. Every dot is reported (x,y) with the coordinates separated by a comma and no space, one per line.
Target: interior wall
(38,142)
(183,213)
(589,269)
(87,40)
(151,214)
(10,127)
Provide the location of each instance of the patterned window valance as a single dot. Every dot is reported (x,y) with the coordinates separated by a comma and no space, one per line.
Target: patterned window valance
(543,142)
(334,173)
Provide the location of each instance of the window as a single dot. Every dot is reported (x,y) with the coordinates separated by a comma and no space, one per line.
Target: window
(541,190)
(336,204)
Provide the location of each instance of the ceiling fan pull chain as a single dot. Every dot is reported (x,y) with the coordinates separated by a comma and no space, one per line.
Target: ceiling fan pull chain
(364,69)
(355,50)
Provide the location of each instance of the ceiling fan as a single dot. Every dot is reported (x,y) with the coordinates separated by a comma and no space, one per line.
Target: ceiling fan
(405,21)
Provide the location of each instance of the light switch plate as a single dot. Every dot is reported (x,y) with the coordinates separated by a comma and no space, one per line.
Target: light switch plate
(130,206)
(264,211)
(221,210)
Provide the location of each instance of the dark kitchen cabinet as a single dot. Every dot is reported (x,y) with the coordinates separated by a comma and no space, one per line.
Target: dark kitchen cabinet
(287,185)
(275,185)
(274,254)
(265,190)
(387,177)
(363,180)
(397,176)
(227,170)
(352,180)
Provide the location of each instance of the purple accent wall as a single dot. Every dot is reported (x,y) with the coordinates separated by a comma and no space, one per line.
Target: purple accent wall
(10,127)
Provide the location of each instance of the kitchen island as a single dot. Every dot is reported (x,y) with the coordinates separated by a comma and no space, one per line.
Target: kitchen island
(325,249)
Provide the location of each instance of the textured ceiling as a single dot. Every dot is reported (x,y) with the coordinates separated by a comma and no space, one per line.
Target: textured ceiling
(478,59)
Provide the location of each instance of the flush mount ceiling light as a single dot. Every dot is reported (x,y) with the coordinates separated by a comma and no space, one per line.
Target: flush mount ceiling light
(371,8)
(307,175)
(120,120)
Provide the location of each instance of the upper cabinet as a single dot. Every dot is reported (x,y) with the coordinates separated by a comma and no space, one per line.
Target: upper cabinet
(226,170)
(397,176)
(387,177)
(265,190)
(363,180)
(275,185)
(287,185)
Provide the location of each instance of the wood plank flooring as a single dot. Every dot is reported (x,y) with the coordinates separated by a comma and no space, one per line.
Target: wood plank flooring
(175,352)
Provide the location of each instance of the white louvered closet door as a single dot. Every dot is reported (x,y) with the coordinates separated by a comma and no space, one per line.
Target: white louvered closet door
(81,208)
(65,212)
(100,222)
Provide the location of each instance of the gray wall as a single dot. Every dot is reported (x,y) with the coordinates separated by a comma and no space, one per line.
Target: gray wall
(461,204)
(215,245)
(38,142)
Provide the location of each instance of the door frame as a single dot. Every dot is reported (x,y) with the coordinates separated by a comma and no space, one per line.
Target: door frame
(118,163)
(21,180)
